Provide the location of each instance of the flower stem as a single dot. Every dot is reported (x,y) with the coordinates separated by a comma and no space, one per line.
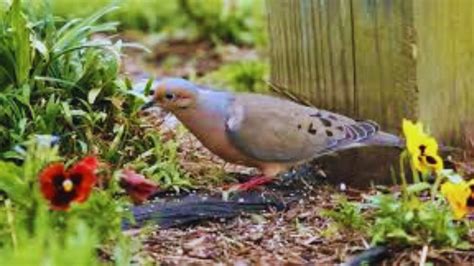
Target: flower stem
(402,174)
(10,220)
(416,176)
(434,188)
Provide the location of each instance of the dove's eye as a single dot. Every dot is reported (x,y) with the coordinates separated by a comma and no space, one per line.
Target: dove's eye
(169,96)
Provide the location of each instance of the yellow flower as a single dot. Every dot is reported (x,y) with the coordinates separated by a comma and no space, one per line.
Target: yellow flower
(460,196)
(422,148)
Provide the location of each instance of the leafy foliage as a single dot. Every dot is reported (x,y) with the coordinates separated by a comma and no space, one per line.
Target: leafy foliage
(418,215)
(235,21)
(32,233)
(160,163)
(248,76)
(145,15)
(56,80)
(59,80)
(414,222)
(347,214)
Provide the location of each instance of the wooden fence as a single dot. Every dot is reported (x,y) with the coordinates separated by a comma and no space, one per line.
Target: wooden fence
(383,60)
(379,59)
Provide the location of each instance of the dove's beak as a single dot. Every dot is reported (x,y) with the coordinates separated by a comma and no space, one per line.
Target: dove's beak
(147,105)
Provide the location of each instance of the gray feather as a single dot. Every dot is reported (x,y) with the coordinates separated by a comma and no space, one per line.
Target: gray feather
(276,130)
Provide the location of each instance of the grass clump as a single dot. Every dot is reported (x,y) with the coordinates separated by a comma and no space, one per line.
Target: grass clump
(248,76)
(347,214)
(237,21)
(33,234)
(421,213)
(414,222)
(57,79)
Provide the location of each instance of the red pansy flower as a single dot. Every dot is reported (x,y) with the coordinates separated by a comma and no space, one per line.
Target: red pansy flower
(61,187)
(137,186)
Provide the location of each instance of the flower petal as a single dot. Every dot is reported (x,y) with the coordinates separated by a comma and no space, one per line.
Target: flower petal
(47,179)
(137,186)
(457,196)
(422,148)
(83,176)
(413,133)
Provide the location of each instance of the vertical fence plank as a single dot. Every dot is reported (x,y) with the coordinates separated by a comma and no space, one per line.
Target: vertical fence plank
(384,62)
(378,59)
(311,51)
(445,54)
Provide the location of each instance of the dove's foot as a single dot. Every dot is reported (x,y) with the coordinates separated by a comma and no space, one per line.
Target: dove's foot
(252,183)
(255,182)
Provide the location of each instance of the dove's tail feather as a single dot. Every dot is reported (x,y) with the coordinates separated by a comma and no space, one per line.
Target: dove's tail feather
(198,207)
(385,139)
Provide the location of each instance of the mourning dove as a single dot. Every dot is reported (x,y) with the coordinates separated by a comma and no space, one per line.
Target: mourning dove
(269,133)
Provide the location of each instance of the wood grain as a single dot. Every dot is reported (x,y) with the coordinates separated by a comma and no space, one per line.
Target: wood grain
(383,60)
(384,63)
(311,51)
(445,68)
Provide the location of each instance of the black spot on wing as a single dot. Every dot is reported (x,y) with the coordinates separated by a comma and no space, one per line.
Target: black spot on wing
(299,126)
(311,129)
(332,117)
(353,133)
(325,122)
(316,115)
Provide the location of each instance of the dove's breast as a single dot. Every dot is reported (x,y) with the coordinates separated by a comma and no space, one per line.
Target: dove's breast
(207,120)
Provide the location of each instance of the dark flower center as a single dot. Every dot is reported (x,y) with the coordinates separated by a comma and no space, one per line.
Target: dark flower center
(58,182)
(76,179)
(422,149)
(61,196)
(470,201)
(431,160)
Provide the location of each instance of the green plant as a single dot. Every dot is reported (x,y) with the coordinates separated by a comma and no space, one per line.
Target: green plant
(61,81)
(160,162)
(55,80)
(235,21)
(248,76)
(419,214)
(347,214)
(414,222)
(32,233)
(145,15)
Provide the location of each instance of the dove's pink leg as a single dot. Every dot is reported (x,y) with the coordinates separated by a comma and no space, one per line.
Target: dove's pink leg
(254,182)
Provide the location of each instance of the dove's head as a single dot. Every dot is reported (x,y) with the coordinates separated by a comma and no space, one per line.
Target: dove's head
(174,94)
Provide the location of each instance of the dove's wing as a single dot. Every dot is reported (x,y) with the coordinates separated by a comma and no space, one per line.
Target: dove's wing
(277,130)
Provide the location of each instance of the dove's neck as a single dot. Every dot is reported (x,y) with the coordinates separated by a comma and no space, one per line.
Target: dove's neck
(208,114)
(207,119)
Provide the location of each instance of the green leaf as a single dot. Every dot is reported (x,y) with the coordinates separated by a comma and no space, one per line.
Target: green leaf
(67,112)
(418,187)
(92,95)
(41,48)
(12,184)
(453,177)
(148,87)
(20,34)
